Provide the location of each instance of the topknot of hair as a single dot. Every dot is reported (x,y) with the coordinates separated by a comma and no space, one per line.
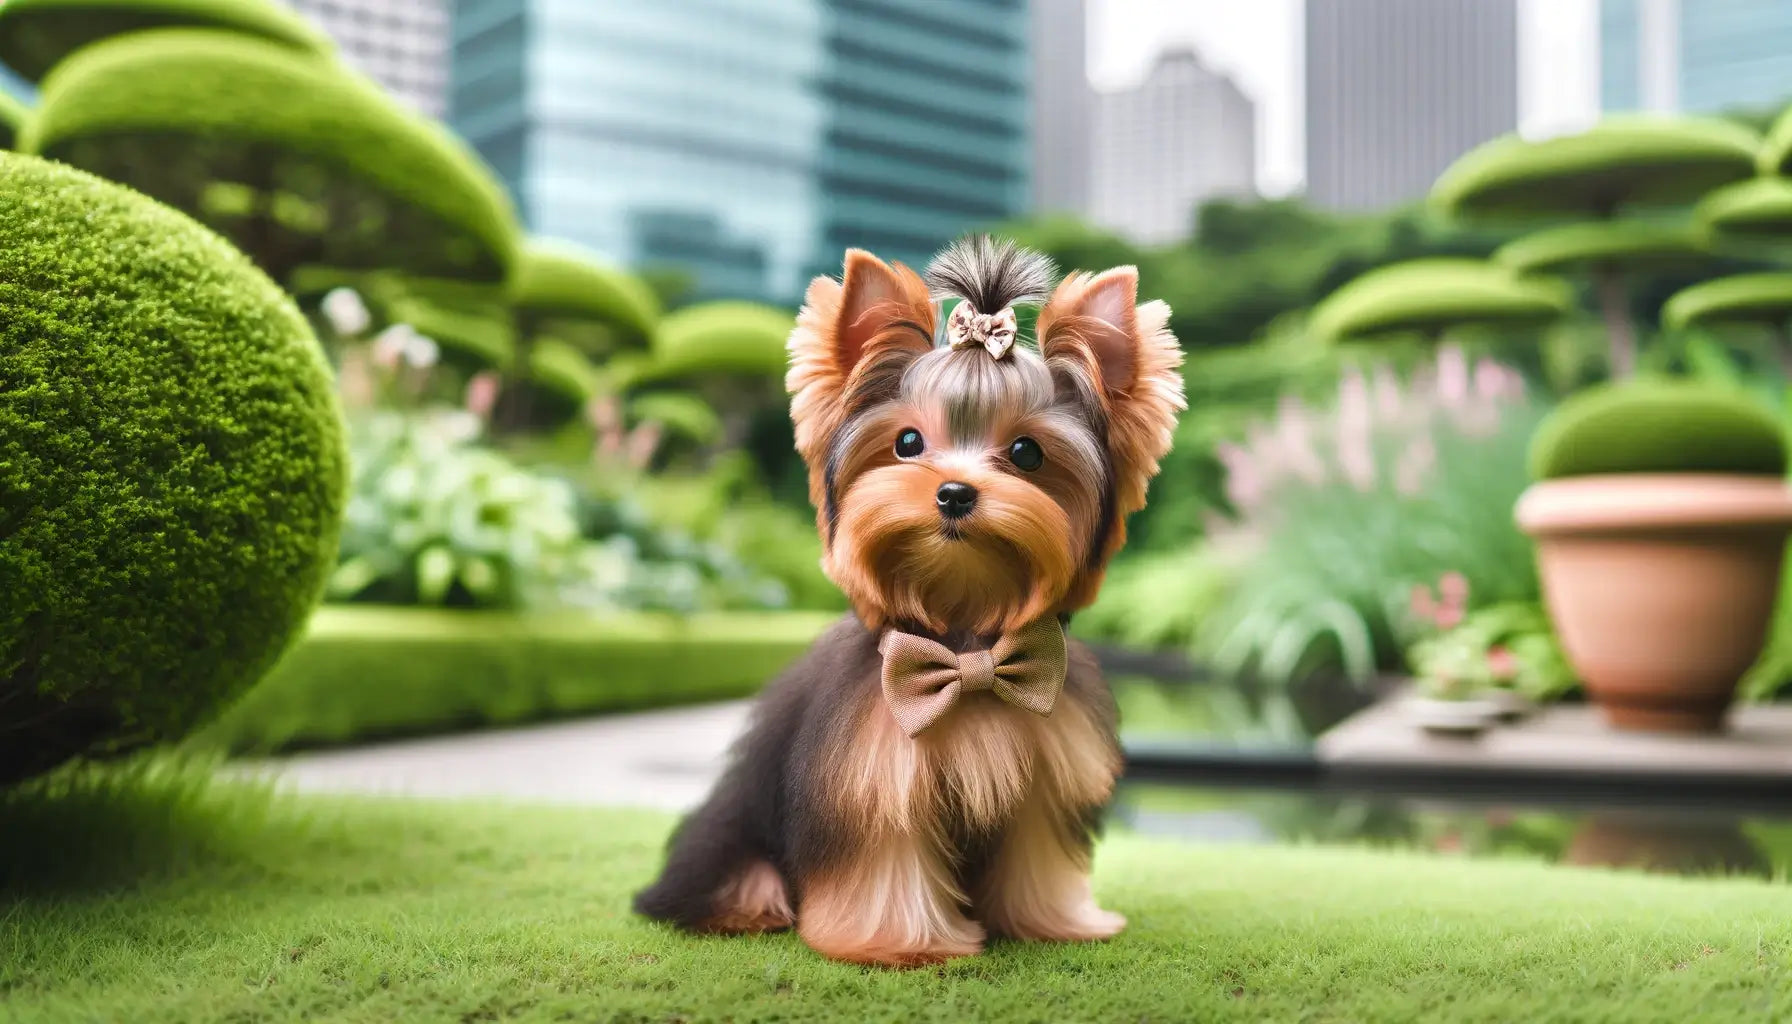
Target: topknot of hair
(990,274)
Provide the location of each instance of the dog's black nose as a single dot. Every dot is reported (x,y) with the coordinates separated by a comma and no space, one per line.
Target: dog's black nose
(956,500)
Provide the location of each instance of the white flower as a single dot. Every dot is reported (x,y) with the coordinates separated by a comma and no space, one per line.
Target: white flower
(392,345)
(346,312)
(421,352)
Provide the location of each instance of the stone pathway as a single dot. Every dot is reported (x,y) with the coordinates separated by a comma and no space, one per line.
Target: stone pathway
(661,759)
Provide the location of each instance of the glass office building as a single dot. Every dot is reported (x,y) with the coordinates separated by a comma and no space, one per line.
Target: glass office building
(925,108)
(1701,56)
(748,141)
(16,86)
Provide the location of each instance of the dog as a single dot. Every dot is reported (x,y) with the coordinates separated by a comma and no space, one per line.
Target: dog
(934,769)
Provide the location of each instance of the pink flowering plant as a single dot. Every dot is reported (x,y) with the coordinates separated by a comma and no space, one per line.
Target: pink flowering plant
(1462,654)
(1340,512)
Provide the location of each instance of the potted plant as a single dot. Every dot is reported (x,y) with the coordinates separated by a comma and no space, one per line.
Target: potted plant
(1660,515)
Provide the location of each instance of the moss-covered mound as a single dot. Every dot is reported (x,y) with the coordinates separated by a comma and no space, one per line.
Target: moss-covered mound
(171,468)
(1658,427)
(36,34)
(294,157)
(12,119)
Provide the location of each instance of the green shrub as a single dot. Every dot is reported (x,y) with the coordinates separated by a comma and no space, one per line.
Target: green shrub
(366,672)
(1658,427)
(171,468)
(437,519)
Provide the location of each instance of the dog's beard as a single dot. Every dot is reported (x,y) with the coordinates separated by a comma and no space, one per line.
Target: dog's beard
(898,560)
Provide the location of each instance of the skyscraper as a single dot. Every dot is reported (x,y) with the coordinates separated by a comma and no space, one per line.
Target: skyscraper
(681,132)
(925,111)
(1702,57)
(1397,89)
(401,44)
(1184,135)
(748,141)
(16,86)
(1063,106)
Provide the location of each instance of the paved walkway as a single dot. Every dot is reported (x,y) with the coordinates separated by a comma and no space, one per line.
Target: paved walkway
(662,759)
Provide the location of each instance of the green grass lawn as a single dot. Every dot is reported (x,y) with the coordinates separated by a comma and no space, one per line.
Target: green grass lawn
(153,896)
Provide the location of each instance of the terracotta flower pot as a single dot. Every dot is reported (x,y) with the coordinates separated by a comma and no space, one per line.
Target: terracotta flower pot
(1661,586)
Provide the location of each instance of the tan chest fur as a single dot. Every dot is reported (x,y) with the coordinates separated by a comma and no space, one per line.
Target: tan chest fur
(979,762)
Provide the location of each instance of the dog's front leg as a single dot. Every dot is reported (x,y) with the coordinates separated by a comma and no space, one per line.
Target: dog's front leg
(889,903)
(1038,885)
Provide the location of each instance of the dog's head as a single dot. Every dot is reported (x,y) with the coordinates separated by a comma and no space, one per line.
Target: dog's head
(973,484)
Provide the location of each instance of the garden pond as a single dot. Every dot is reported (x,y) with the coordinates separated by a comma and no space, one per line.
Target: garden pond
(1219,761)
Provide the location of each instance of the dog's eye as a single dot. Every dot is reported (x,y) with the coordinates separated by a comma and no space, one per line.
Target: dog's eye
(909,444)
(1026,453)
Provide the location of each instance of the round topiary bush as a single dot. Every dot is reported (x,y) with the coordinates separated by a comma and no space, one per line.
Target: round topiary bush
(1658,427)
(172,469)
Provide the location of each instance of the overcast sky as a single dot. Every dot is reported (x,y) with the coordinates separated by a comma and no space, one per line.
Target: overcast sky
(1259,43)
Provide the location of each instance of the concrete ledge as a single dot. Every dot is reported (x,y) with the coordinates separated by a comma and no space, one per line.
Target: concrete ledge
(1566,739)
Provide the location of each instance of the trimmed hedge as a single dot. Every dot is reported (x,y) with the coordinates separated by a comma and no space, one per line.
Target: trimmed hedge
(36,34)
(1429,295)
(368,671)
(1658,427)
(559,280)
(1622,160)
(172,469)
(12,120)
(358,181)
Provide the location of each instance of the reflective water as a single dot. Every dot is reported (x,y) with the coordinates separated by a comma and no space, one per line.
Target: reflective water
(1229,732)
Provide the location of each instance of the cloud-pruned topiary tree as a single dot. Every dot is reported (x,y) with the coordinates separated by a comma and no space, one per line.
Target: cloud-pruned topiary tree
(172,469)
(12,119)
(561,289)
(1775,155)
(1595,177)
(295,158)
(1757,210)
(1761,300)
(37,34)
(1430,297)
(571,313)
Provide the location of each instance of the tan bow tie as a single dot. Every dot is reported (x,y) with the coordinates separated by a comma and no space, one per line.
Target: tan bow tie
(923,679)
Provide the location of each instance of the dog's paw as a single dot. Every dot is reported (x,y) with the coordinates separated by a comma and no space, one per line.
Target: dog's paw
(1084,923)
(901,951)
(904,959)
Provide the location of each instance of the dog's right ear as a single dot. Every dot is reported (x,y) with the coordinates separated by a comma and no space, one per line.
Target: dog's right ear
(852,339)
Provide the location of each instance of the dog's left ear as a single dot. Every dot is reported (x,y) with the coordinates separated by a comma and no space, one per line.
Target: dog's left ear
(1123,357)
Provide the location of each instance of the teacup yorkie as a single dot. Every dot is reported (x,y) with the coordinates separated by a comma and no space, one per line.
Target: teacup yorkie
(934,769)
